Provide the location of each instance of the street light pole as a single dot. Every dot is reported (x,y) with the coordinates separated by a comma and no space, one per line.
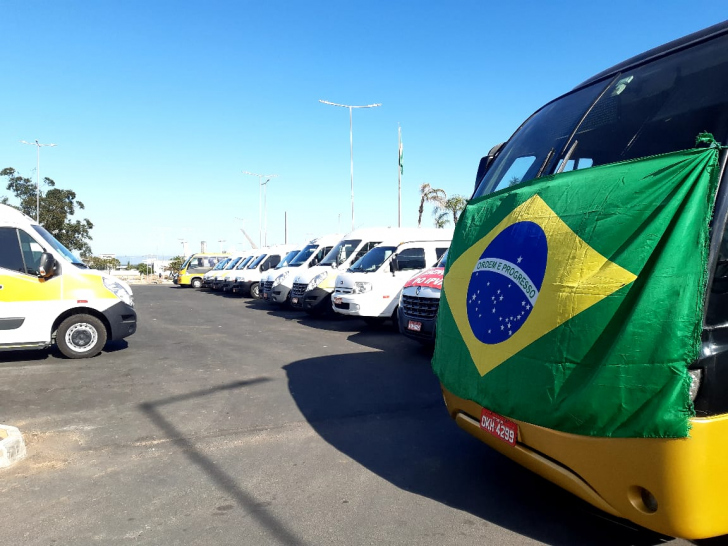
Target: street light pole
(351,144)
(37,176)
(260,200)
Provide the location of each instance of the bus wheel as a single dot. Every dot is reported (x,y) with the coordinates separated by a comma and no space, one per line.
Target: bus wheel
(196,283)
(255,290)
(81,336)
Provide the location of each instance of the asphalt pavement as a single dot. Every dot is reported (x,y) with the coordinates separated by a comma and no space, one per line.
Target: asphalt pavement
(225,420)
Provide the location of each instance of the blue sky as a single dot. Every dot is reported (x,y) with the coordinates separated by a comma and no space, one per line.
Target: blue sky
(157,107)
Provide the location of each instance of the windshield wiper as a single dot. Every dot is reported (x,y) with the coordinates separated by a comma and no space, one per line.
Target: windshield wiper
(545,163)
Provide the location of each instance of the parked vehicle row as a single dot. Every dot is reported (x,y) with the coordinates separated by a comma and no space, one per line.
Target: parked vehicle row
(361,274)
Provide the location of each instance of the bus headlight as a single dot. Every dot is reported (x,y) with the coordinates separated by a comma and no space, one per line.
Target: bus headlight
(119,291)
(317,280)
(696,376)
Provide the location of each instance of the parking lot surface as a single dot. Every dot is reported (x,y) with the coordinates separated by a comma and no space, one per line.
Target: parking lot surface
(227,421)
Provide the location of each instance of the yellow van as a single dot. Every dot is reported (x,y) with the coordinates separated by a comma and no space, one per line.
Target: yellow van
(48,295)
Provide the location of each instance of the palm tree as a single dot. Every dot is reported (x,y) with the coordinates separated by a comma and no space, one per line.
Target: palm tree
(455,206)
(428,194)
(441,217)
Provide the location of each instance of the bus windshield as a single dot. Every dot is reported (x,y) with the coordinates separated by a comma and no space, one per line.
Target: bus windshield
(656,108)
(340,253)
(372,260)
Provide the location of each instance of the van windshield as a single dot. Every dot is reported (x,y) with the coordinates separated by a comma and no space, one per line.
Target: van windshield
(242,263)
(233,263)
(287,260)
(340,253)
(58,247)
(656,108)
(220,265)
(372,260)
(257,261)
(303,256)
(442,262)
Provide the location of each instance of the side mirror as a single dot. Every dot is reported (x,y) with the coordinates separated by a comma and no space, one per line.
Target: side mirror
(46,266)
(393,265)
(485,163)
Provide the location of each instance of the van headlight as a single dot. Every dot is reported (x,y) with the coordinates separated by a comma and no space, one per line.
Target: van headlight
(318,279)
(361,287)
(280,278)
(119,291)
(696,376)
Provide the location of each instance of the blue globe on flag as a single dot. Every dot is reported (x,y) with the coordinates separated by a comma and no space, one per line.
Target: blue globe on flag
(506,281)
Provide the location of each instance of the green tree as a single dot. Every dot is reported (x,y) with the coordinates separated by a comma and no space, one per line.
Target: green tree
(102,263)
(57,206)
(428,194)
(143,268)
(175,264)
(455,205)
(441,218)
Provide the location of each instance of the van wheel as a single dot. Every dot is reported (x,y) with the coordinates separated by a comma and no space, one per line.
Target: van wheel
(81,336)
(255,290)
(196,283)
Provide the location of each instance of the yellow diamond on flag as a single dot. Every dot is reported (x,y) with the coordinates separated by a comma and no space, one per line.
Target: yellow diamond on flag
(529,275)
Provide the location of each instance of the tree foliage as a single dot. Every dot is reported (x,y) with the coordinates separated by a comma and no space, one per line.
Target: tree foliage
(175,264)
(104,264)
(57,207)
(428,194)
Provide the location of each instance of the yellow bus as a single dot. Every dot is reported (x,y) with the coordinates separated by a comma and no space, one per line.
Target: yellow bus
(653,104)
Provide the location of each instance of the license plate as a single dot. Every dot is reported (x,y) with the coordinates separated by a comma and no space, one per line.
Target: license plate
(337,301)
(294,301)
(265,295)
(499,427)
(414,326)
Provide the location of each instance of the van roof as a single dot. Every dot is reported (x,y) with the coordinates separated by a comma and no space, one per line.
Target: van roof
(392,232)
(661,51)
(445,236)
(10,215)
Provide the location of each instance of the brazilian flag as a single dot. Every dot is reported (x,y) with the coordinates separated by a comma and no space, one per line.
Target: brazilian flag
(575,301)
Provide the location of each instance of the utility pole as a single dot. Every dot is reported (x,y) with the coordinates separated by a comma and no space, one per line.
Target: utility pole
(37,176)
(260,196)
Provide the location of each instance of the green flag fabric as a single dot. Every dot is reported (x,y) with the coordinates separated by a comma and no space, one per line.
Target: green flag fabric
(575,301)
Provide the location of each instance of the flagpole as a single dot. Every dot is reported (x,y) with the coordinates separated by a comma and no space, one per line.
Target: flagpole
(399,182)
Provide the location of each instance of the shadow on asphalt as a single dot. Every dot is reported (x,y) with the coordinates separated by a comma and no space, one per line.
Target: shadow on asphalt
(223,480)
(387,414)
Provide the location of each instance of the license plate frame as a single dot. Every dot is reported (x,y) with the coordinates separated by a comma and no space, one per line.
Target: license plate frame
(414,326)
(499,427)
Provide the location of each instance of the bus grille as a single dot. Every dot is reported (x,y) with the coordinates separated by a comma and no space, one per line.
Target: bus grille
(416,307)
(267,286)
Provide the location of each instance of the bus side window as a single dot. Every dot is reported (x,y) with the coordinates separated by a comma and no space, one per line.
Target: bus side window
(31,253)
(10,255)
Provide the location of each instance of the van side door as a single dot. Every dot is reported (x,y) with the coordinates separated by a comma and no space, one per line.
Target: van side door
(28,304)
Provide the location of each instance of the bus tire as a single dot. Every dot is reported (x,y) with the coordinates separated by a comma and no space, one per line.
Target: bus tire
(196,283)
(81,336)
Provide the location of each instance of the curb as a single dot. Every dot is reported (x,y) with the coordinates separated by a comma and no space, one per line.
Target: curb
(12,446)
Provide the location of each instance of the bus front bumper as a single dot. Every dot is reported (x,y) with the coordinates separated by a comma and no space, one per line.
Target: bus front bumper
(122,319)
(687,477)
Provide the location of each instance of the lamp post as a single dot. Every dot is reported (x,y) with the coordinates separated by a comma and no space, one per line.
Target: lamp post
(260,200)
(37,176)
(351,144)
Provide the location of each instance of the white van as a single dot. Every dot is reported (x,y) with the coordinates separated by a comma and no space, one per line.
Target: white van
(371,287)
(246,281)
(228,281)
(48,295)
(266,279)
(311,255)
(312,288)
(206,280)
(218,279)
